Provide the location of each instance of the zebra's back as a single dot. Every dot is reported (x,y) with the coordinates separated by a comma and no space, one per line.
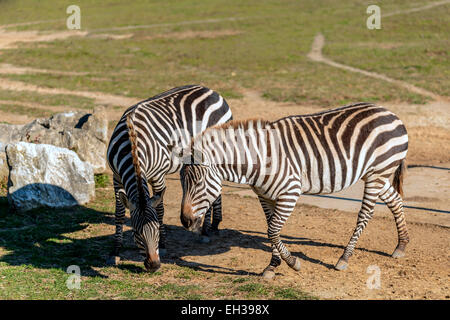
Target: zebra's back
(163,122)
(332,150)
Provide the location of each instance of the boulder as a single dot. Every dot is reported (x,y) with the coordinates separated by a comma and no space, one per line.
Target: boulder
(84,133)
(43,175)
(3,164)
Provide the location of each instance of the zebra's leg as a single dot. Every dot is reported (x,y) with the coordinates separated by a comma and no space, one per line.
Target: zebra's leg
(217,214)
(282,210)
(162,228)
(275,261)
(206,229)
(371,191)
(121,202)
(158,184)
(395,203)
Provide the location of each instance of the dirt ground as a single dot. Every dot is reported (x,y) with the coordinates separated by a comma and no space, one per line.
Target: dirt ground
(317,236)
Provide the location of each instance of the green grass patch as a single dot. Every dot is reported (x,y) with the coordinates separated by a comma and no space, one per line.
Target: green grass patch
(101,180)
(253,290)
(187,273)
(22,110)
(269,54)
(69,101)
(291,294)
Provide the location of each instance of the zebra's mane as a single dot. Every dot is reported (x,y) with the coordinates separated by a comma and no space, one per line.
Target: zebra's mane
(234,124)
(255,123)
(241,124)
(134,154)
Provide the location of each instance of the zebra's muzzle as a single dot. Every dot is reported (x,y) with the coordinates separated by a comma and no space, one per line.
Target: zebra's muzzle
(191,223)
(152,262)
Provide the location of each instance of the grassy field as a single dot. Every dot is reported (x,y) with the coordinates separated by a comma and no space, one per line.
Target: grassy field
(265,52)
(229,46)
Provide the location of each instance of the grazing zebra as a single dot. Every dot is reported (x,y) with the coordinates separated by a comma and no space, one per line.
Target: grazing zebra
(142,151)
(307,154)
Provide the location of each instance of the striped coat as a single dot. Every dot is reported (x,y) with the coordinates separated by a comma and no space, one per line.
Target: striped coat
(143,149)
(309,154)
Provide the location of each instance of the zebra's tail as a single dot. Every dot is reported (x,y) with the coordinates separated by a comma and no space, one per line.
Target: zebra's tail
(399,175)
(134,154)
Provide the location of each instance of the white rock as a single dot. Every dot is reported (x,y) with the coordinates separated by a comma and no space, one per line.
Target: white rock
(43,175)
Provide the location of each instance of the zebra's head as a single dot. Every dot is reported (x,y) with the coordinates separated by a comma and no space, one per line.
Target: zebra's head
(144,221)
(201,185)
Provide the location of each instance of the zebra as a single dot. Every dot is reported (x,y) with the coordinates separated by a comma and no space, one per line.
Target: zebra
(303,154)
(142,151)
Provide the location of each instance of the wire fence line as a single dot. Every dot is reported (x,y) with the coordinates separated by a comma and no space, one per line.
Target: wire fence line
(358,200)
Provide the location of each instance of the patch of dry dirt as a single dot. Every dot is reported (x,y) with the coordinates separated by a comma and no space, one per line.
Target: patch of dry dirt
(14,118)
(99,97)
(317,236)
(10,39)
(10,69)
(209,34)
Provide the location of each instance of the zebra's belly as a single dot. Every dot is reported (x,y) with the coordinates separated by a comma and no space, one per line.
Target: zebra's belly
(326,189)
(327,184)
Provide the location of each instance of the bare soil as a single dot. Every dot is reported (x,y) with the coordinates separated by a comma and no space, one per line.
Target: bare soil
(317,236)
(210,34)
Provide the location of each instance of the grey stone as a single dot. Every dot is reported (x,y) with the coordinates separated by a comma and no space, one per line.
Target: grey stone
(84,133)
(43,175)
(3,163)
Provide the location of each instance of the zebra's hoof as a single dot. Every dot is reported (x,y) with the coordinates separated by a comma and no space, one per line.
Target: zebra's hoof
(341,265)
(162,252)
(205,239)
(398,253)
(113,260)
(268,274)
(296,265)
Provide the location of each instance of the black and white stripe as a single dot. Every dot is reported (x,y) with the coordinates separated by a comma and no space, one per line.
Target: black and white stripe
(309,154)
(142,151)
